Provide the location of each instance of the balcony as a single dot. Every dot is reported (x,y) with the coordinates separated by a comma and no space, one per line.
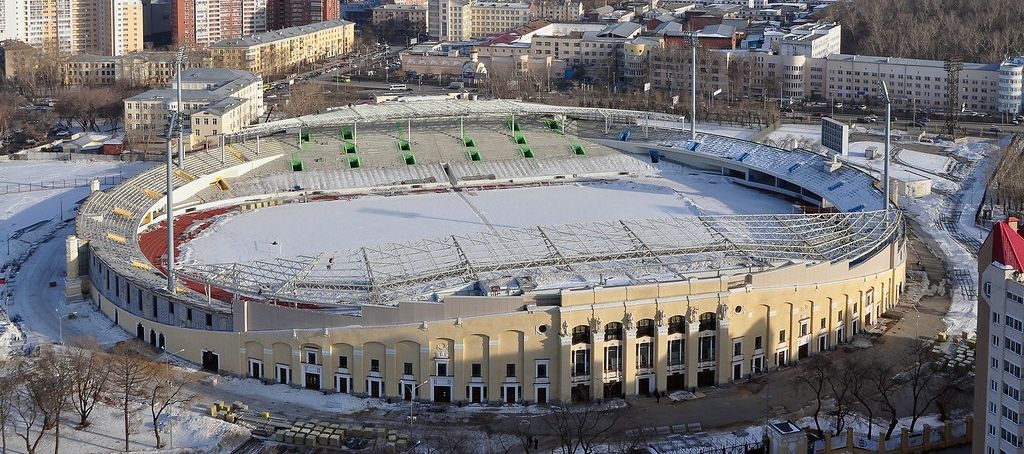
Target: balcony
(610,376)
(579,379)
(680,367)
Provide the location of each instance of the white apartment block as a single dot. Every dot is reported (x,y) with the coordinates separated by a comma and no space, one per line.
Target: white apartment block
(69,27)
(450,20)
(1011,82)
(998,410)
(215,101)
(816,40)
(494,18)
(594,46)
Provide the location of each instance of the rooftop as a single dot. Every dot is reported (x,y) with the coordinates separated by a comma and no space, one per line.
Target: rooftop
(280,35)
(909,62)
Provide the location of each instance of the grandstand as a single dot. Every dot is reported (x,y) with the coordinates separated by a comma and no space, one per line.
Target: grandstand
(842,263)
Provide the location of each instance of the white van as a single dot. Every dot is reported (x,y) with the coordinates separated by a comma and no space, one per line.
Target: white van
(398,87)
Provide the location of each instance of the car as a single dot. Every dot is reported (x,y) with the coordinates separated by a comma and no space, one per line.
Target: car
(862,107)
(866,120)
(838,105)
(270,96)
(63,133)
(994,130)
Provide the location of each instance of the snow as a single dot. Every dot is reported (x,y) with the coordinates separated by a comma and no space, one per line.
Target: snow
(811,132)
(931,211)
(897,170)
(928,162)
(373,220)
(737,132)
(335,403)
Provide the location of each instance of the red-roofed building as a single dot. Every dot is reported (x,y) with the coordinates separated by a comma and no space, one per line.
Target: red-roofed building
(1000,340)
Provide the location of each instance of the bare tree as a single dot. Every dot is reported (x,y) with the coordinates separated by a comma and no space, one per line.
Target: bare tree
(861,389)
(90,379)
(166,389)
(29,402)
(814,374)
(55,369)
(130,370)
(841,383)
(884,390)
(581,428)
(8,387)
(928,382)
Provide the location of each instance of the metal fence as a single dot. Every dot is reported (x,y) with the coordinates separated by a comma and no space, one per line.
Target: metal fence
(10,188)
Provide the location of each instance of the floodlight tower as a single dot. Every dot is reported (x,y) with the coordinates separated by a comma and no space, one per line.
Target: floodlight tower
(888,138)
(693,41)
(178,60)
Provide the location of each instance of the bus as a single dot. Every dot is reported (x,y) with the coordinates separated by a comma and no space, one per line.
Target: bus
(398,87)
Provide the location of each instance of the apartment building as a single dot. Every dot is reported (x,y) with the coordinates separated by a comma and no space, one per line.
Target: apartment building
(215,102)
(281,51)
(450,20)
(593,48)
(560,10)
(1011,81)
(69,27)
(136,69)
(494,18)
(998,381)
(412,16)
(815,40)
(200,23)
(16,57)
(295,13)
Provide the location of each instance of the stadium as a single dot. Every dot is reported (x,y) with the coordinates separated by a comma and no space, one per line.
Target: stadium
(492,251)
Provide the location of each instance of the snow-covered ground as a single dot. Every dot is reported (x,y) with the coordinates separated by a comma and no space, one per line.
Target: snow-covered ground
(371,220)
(806,132)
(857,157)
(737,132)
(932,163)
(958,248)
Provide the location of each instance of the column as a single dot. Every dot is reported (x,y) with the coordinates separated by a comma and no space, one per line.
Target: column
(269,369)
(457,364)
(691,354)
(597,364)
(358,371)
(495,371)
(723,352)
(391,373)
(426,370)
(563,380)
(298,379)
(629,361)
(326,369)
(661,358)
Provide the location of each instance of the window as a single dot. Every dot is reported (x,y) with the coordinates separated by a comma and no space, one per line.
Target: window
(1014,297)
(581,334)
(823,319)
(310,356)
(407,368)
(782,336)
(805,327)
(737,348)
(995,340)
(343,362)
(476,368)
(995,318)
(1010,437)
(442,369)
(209,319)
(708,321)
(1010,391)
(170,307)
(542,370)
(510,370)
(676,324)
(676,352)
(374,365)
(188,314)
(1011,368)
(644,355)
(1014,323)
(645,328)
(757,343)
(613,331)
(1011,345)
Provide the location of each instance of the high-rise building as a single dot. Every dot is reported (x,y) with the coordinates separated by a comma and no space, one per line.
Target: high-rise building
(200,23)
(450,20)
(998,381)
(69,27)
(295,13)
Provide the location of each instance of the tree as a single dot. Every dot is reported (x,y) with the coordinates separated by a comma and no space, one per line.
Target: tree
(166,389)
(130,370)
(90,379)
(884,389)
(581,428)
(9,102)
(8,387)
(306,99)
(55,369)
(861,389)
(815,373)
(841,382)
(32,403)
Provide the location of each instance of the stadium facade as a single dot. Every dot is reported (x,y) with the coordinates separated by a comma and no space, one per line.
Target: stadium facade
(552,312)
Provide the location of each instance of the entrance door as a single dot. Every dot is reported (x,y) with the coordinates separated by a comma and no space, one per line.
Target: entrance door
(645,386)
(255,370)
(443,394)
(510,395)
(706,378)
(803,351)
(211,361)
(737,371)
(160,341)
(823,343)
(283,375)
(613,390)
(140,332)
(341,384)
(475,394)
(542,395)
(152,338)
(312,381)
(675,382)
(374,388)
(580,393)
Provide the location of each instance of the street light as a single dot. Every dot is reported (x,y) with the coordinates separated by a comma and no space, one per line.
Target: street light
(412,401)
(888,138)
(60,325)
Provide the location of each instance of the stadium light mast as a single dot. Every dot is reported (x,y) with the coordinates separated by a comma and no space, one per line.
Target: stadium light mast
(692,38)
(888,138)
(178,60)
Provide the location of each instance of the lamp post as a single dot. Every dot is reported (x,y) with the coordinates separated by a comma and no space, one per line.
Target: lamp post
(885,154)
(60,325)
(412,401)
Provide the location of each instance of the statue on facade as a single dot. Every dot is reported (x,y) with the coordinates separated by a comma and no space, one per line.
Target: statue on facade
(691,315)
(595,324)
(565,328)
(442,351)
(659,317)
(627,321)
(723,312)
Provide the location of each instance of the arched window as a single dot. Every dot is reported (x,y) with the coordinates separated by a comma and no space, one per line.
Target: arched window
(676,324)
(645,328)
(581,334)
(708,321)
(613,331)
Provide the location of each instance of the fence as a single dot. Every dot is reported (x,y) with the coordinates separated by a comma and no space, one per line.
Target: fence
(10,188)
(930,438)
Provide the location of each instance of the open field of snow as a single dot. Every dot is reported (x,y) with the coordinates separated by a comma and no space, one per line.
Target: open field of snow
(925,161)
(371,220)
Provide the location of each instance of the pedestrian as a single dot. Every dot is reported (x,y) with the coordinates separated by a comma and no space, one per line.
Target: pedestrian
(536,443)
(657,396)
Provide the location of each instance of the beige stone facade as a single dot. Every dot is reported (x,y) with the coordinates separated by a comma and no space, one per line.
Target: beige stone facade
(413,15)
(283,51)
(593,343)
